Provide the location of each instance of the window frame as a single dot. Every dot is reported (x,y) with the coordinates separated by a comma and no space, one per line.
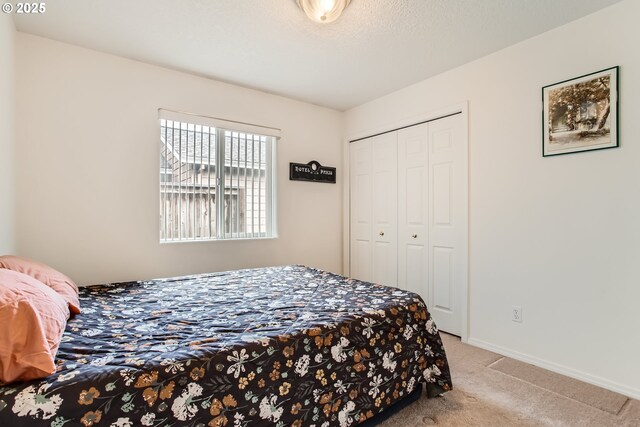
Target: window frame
(219,183)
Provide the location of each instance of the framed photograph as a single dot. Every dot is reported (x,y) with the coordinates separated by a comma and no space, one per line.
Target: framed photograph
(580,114)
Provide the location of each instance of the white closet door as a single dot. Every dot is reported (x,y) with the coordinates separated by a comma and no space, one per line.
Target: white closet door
(361,184)
(385,210)
(448,222)
(413,210)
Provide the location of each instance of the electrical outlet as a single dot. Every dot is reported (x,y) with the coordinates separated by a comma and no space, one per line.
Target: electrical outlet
(516,314)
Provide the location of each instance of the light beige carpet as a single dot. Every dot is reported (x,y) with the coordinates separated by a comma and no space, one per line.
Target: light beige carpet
(491,390)
(577,390)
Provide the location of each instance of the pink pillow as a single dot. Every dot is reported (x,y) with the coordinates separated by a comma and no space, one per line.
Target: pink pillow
(33,318)
(47,275)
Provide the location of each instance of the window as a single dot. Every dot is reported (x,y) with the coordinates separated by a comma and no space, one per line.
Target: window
(588,110)
(216,179)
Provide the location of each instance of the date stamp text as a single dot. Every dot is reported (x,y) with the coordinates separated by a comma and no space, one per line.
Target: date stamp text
(24,8)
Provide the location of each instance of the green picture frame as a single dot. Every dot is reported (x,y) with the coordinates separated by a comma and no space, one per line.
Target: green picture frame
(581,114)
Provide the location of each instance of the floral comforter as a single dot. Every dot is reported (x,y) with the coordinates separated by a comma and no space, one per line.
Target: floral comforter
(284,346)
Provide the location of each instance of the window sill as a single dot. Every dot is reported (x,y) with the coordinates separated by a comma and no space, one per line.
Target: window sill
(234,239)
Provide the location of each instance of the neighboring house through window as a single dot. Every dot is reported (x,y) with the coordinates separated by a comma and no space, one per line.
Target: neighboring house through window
(216,179)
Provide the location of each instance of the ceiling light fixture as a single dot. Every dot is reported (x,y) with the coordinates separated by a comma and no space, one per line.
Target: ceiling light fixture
(323,11)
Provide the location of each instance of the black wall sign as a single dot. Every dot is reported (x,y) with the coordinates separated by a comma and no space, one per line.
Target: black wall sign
(312,171)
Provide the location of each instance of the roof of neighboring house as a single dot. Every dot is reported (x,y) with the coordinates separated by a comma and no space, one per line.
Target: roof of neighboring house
(191,146)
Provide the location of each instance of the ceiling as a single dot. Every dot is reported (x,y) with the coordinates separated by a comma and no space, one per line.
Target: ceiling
(376,47)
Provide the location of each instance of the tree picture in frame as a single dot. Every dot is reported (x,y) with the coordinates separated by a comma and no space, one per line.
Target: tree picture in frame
(581,114)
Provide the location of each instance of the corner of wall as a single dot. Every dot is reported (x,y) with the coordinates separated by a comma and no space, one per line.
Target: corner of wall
(7,135)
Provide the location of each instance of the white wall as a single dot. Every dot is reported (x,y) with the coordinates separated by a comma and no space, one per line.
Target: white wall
(7,134)
(87,167)
(559,236)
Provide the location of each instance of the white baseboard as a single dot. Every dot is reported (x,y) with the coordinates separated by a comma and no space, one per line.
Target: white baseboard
(560,369)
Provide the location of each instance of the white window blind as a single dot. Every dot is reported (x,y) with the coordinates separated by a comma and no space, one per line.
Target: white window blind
(216,179)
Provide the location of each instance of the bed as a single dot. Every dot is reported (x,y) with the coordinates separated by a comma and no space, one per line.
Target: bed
(284,346)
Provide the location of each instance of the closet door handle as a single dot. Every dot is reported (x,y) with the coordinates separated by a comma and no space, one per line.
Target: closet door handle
(415,236)
(382,233)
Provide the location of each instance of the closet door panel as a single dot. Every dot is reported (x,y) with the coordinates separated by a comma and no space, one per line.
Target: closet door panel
(447,232)
(385,211)
(361,243)
(413,209)
(415,269)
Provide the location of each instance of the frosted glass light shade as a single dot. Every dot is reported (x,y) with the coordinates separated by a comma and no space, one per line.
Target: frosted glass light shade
(323,11)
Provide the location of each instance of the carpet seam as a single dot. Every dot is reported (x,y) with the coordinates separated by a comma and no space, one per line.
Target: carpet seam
(562,395)
(496,361)
(624,406)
